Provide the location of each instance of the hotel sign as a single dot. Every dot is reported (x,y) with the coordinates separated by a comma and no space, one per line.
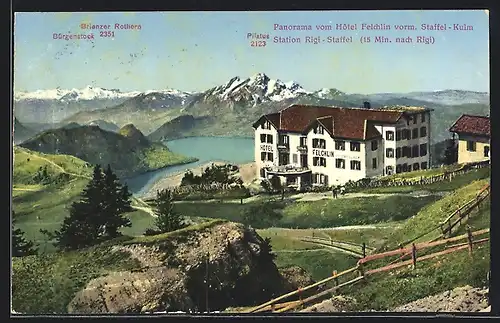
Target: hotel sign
(322,153)
(267,148)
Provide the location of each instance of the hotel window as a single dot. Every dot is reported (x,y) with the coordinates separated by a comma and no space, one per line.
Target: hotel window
(339,145)
(486,151)
(324,180)
(398,152)
(389,152)
(389,135)
(283,159)
(295,159)
(398,169)
(263,138)
(404,134)
(423,165)
(319,143)
(471,146)
(303,141)
(340,163)
(414,151)
(355,165)
(374,145)
(416,166)
(414,119)
(414,133)
(319,161)
(423,117)
(408,120)
(374,163)
(283,140)
(398,135)
(423,150)
(266,156)
(423,131)
(355,146)
(262,172)
(406,151)
(389,170)
(319,130)
(404,167)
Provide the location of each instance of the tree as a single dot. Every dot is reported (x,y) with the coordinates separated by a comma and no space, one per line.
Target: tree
(98,214)
(117,202)
(168,219)
(20,246)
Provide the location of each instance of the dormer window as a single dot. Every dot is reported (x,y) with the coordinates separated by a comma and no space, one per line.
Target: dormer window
(266,125)
(319,130)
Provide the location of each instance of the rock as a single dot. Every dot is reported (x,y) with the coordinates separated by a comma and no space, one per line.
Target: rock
(241,273)
(460,299)
(337,304)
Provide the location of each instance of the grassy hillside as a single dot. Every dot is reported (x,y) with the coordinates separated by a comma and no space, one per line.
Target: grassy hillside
(128,153)
(43,202)
(45,284)
(315,214)
(431,215)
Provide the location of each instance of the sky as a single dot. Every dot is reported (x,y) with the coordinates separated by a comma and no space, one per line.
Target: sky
(194,51)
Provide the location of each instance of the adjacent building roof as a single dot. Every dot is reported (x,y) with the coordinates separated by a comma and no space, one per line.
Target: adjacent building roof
(473,125)
(348,123)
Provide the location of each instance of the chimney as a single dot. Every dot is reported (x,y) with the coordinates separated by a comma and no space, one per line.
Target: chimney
(366,105)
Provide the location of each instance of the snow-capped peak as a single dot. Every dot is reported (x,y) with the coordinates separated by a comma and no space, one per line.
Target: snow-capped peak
(86,93)
(257,88)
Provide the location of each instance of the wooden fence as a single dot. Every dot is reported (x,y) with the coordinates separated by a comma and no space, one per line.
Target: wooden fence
(446,176)
(455,219)
(358,250)
(363,272)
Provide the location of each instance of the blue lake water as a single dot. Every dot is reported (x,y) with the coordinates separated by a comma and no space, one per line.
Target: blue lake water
(206,149)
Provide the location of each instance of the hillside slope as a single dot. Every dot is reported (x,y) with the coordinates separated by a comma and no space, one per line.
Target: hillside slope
(44,186)
(170,268)
(128,153)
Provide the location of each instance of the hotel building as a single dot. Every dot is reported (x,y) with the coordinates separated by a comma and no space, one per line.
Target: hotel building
(312,145)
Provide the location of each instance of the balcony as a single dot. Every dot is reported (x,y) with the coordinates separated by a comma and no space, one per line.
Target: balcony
(287,170)
(283,146)
(302,149)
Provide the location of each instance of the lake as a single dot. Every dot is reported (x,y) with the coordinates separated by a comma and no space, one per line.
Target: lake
(227,149)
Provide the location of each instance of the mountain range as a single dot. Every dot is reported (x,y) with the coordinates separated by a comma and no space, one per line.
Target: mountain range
(225,110)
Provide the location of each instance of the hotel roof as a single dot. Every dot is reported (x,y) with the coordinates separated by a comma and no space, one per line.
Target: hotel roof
(348,123)
(473,125)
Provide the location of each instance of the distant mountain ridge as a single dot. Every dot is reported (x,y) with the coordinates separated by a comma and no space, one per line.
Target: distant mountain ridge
(128,152)
(231,108)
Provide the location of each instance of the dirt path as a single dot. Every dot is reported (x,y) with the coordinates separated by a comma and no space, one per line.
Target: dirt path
(146,208)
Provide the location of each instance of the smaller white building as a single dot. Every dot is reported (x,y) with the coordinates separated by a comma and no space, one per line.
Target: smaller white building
(310,145)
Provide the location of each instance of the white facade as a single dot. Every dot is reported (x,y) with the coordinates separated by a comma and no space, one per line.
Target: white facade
(317,158)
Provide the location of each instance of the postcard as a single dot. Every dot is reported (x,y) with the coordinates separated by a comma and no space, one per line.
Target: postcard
(251,162)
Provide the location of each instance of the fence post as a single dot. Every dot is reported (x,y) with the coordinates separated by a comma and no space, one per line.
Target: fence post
(414,255)
(273,305)
(449,225)
(364,249)
(336,279)
(361,270)
(402,254)
(469,239)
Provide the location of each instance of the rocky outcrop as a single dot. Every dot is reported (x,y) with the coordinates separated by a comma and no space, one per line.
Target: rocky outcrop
(460,299)
(338,303)
(237,262)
